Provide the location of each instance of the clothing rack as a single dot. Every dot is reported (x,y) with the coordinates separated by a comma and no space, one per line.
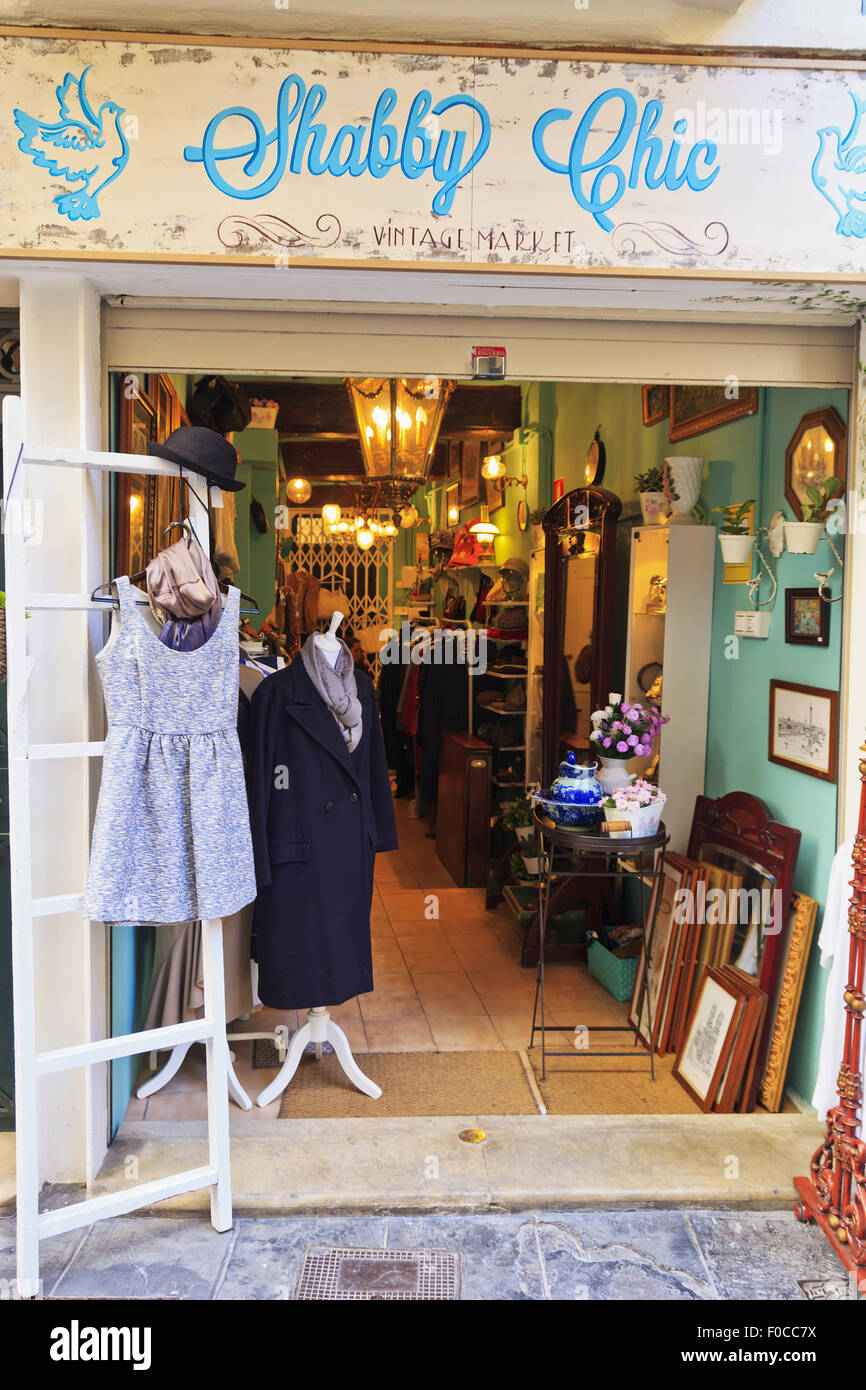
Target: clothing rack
(30,1064)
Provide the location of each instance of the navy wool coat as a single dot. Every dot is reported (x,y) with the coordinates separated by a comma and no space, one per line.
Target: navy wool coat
(319,814)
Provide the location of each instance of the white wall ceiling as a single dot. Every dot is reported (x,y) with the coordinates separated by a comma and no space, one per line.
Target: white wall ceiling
(822,26)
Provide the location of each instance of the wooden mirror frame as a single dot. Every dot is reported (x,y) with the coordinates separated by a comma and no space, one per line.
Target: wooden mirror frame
(604,508)
(835,427)
(741,823)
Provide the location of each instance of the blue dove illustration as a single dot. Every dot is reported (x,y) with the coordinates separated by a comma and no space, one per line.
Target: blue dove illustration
(84,147)
(839,171)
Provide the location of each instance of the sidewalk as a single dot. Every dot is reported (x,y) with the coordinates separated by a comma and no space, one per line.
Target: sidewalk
(536,1255)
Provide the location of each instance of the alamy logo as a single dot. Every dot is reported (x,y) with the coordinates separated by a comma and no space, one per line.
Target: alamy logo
(84,147)
(77,1343)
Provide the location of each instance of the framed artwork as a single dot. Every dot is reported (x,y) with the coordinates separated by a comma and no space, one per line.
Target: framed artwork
(807,618)
(149,410)
(733,1086)
(709,1037)
(453,446)
(804,723)
(697,409)
(470,473)
(655,401)
(801,925)
(662,950)
(452,503)
(816,451)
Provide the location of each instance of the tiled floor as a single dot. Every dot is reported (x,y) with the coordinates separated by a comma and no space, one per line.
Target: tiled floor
(448,978)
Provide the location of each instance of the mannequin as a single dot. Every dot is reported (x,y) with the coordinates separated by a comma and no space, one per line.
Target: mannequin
(319,1026)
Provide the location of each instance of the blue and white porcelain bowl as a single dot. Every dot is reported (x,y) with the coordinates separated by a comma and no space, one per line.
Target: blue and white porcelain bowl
(575,798)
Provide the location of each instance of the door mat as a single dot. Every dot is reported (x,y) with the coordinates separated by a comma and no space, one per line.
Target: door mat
(413,1083)
(587,1085)
(344,1274)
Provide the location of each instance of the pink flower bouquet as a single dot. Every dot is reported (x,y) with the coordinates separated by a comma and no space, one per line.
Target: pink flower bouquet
(640,804)
(626,729)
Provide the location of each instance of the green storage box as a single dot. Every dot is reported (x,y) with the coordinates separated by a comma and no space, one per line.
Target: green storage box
(617,975)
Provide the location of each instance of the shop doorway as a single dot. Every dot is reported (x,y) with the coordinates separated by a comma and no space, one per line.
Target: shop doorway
(450,961)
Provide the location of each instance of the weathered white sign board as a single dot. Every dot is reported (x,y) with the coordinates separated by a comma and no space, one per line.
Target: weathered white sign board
(161,150)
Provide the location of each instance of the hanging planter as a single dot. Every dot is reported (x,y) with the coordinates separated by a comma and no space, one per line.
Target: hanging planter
(736,549)
(802,537)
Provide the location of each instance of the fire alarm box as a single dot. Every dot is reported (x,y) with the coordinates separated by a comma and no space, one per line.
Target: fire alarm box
(488,361)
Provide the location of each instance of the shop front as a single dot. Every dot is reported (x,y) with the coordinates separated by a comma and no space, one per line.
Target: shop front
(669,261)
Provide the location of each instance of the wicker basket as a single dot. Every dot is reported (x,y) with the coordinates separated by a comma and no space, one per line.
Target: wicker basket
(615,973)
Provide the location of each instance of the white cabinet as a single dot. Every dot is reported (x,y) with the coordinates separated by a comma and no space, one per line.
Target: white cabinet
(670,623)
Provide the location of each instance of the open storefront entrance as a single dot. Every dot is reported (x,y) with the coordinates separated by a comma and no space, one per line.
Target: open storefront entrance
(451,975)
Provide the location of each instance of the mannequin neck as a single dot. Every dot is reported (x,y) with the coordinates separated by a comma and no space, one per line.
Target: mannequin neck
(328,642)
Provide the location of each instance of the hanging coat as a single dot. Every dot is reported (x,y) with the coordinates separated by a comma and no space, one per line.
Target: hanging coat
(318,814)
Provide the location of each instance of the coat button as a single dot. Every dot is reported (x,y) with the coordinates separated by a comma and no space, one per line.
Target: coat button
(329,805)
(354,796)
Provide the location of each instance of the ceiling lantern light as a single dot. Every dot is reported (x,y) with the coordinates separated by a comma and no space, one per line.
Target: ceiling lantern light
(484,527)
(298,491)
(364,537)
(409,517)
(398,421)
(493,467)
(331,513)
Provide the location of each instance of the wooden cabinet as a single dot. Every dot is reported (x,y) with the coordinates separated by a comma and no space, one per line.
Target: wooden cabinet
(463,808)
(670,622)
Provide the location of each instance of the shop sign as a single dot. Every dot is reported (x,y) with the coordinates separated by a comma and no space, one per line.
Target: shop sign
(193,152)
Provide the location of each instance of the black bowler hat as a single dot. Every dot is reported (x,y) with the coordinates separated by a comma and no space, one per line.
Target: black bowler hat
(200,450)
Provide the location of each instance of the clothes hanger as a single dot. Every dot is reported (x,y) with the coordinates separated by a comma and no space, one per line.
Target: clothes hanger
(97,595)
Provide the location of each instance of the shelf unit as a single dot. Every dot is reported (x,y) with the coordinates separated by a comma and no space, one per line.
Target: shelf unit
(679,640)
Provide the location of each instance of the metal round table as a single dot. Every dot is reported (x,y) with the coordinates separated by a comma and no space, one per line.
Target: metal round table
(568,853)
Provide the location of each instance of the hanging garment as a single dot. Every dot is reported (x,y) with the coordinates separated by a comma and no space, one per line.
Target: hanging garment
(834,942)
(225,552)
(319,816)
(171,840)
(177,991)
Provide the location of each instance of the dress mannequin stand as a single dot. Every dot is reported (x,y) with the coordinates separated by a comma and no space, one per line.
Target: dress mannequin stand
(320,1027)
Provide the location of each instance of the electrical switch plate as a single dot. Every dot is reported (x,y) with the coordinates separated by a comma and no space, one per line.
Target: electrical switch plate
(751,622)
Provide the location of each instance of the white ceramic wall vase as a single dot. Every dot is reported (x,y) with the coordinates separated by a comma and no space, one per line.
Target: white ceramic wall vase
(652,507)
(802,537)
(613,773)
(686,474)
(736,550)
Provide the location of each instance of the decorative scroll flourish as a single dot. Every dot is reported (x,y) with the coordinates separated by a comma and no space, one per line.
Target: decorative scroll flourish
(234,231)
(624,238)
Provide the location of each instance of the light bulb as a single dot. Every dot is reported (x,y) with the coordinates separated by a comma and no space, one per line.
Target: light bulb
(453,514)
(493,467)
(331,513)
(365,538)
(389,529)
(342,527)
(299,491)
(409,517)
(484,527)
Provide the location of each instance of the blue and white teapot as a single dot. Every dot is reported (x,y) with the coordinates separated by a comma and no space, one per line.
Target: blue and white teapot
(575,796)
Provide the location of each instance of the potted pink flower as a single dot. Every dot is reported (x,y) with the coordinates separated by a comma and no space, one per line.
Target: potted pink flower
(624,729)
(640,804)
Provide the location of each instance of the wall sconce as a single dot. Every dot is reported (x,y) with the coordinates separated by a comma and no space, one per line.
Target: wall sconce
(298,491)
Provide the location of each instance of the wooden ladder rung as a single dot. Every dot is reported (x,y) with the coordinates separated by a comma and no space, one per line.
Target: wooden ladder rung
(59,902)
(126,1045)
(53,1223)
(39,751)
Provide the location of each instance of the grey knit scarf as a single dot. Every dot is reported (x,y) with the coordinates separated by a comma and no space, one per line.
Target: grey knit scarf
(337,687)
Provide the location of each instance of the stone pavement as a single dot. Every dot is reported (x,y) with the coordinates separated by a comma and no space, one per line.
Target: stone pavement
(682,1254)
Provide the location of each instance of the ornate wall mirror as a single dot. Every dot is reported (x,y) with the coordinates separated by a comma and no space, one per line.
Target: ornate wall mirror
(816,451)
(579,558)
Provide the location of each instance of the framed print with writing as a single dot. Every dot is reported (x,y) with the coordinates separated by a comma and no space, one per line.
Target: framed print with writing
(807,618)
(709,1037)
(804,723)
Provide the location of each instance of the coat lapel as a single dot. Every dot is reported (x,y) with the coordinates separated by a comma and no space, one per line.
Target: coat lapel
(308,709)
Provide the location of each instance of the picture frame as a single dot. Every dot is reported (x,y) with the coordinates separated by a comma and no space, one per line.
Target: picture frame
(470,474)
(698,409)
(709,1037)
(804,728)
(655,403)
(733,1086)
(452,502)
(807,618)
(816,450)
(663,951)
(494,493)
(801,927)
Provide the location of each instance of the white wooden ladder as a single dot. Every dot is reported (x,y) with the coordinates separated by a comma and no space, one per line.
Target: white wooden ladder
(27,910)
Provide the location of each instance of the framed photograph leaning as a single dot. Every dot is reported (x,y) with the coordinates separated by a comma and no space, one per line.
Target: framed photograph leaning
(709,1037)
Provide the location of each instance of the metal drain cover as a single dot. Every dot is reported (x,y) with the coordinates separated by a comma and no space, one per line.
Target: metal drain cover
(829,1289)
(343,1273)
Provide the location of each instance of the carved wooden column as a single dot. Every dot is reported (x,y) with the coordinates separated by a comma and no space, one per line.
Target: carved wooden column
(834,1194)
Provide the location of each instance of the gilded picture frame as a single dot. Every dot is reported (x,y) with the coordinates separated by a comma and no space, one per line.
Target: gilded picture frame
(801,927)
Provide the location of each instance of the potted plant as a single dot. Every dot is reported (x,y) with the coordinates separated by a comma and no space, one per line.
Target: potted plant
(802,537)
(735,538)
(640,805)
(623,730)
(535,520)
(517,816)
(649,486)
